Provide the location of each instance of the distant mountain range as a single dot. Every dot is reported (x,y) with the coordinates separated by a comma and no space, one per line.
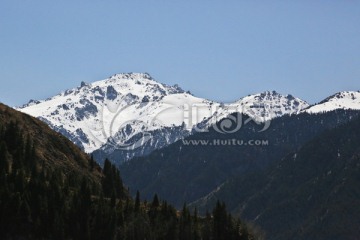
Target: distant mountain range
(129,115)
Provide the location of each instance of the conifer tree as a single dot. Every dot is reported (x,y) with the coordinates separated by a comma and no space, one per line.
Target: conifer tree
(137,201)
(155,203)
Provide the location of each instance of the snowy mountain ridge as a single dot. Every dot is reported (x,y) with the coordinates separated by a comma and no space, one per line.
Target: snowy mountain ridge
(133,108)
(262,107)
(340,100)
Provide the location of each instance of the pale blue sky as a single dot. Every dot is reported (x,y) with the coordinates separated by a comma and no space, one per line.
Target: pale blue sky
(220,50)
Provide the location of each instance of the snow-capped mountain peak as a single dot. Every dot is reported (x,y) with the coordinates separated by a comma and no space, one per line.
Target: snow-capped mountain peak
(261,107)
(92,113)
(271,104)
(340,100)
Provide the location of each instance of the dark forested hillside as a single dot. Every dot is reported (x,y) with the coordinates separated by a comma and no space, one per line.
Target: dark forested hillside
(49,189)
(185,173)
(312,193)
